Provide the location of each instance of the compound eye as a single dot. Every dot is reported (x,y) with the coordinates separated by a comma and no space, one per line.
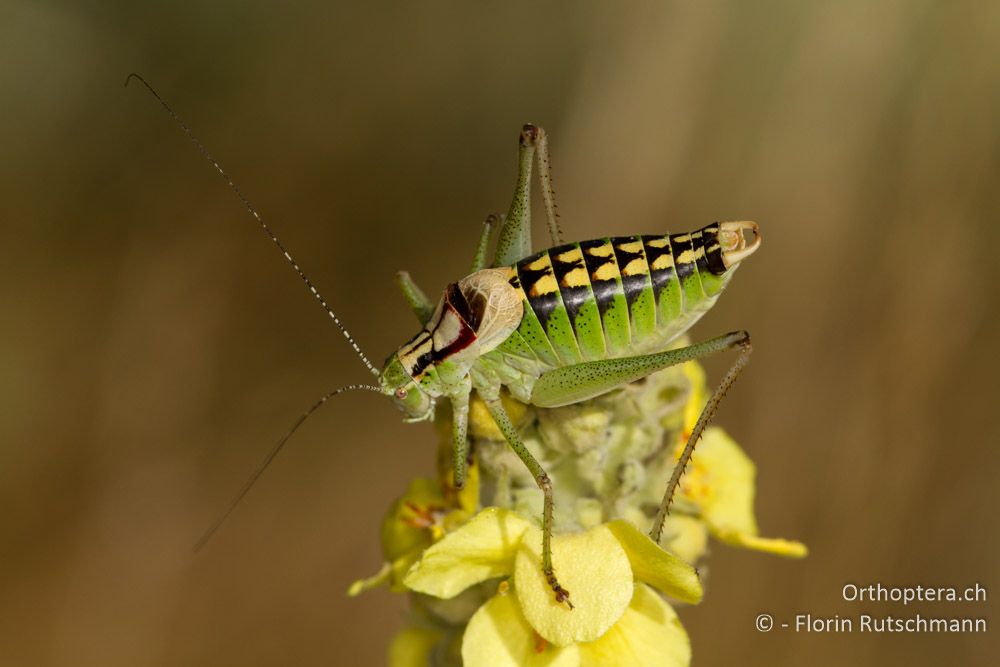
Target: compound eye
(401,393)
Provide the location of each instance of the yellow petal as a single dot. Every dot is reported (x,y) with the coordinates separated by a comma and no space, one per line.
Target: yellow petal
(499,636)
(390,573)
(592,566)
(411,647)
(773,545)
(481,549)
(685,536)
(727,483)
(649,633)
(400,567)
(401,531)
(699,394)
(728,495)
(468,496)
(657,567)
(378,579)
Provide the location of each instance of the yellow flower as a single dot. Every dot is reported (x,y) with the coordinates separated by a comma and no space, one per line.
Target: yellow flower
(413,646)
(720,482)
(478,595)
(421,517)
(606,569)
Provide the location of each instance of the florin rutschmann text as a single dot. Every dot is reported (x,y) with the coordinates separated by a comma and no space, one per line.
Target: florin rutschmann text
(883,623)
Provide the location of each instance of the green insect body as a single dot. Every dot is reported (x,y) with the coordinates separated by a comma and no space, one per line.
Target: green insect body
(575,303)
(563,325)
(553,328)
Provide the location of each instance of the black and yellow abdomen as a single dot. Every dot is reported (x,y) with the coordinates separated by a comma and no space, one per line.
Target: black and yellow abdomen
(615,297)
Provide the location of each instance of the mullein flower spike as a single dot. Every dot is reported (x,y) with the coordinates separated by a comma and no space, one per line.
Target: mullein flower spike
(479,594)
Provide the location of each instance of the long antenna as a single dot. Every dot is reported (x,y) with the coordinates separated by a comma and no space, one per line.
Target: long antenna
(259,470)
(253,212)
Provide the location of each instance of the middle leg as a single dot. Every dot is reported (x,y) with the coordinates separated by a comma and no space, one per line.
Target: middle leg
(496,409)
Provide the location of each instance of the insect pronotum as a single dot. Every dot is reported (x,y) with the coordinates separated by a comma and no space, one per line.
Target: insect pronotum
(552,328)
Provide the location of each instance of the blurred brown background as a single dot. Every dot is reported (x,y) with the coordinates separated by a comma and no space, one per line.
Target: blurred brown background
(154,344)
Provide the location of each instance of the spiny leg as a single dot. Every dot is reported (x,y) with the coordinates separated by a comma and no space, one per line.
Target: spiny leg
(419,303)
(580,382)
(495,406)
(583,381)
(514,242)
(742,341)
(548,195)
(479,259)
(459,432)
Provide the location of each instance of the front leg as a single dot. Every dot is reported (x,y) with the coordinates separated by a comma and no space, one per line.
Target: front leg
(495,406)
(459,431)
(479,259)
(415,297)
(419,303)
